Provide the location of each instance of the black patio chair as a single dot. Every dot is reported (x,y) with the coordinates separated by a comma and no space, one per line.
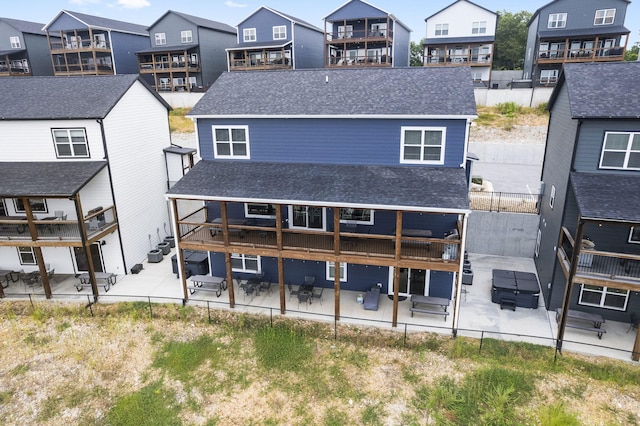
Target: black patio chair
(292,292)
(317,294)
(634,322)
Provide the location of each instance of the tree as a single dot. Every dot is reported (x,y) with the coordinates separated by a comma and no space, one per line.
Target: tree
(511,40)
(416,54)
(632,54)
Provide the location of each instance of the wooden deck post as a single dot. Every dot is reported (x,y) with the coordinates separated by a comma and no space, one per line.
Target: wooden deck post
(179,252)
(396,269)
(283,303)
(336,265)
(227,257)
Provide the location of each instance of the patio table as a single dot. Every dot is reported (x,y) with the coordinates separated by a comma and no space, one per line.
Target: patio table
(208,283)
(418,301)
(103,279)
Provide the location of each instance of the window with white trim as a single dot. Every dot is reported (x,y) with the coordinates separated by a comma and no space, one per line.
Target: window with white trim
(231,142)
(538,239)
(15,42)
(331,271)
(249,34)
(621,150)
(27,256)
(552,197)
(557,20)
(479,27)
(186,36)
(280,32)
(634,235)
(442,29)
(70,143)
(361,216)
(38,205)
(548,76)
(259,210)
(345,31)
(603,297)
(161,39)
(604,17)
(245,263)
(422,145)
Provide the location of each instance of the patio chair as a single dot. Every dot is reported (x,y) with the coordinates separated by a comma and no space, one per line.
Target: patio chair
(32,280)
(317,294)
(309,280)
(292,292)
(50,274)
(634,322)
(304,297)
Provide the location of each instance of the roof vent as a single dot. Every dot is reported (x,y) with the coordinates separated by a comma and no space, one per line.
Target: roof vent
(326,79)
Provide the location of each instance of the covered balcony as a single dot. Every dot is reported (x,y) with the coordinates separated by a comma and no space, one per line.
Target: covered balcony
(260,57)
(606,47)
(359,42)
(88,40)
(14,64)
(473,51)
(82,63)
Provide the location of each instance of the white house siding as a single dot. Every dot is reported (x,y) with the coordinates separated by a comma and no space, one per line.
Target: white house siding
(32,140)
(137,130)
(460,17)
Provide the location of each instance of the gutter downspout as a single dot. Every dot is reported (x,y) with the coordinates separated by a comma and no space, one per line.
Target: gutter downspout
(466,143)
(293,46)
(113,195)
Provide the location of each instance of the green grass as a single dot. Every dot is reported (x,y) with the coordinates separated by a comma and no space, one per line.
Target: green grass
(556,415)
(152,405)
(178,122)
(180,359)
(282,348)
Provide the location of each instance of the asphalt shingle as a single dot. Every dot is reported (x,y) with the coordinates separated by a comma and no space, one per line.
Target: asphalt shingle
(607,196)
(46,179)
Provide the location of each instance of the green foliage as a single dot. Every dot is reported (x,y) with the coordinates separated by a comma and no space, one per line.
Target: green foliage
(509,109)
(372,414)
(335,417)
(152,405)
(632,54)
(5,397)
(416,52)
(541,109)
(556,415)
(511,40)
(180,359)
(282,348)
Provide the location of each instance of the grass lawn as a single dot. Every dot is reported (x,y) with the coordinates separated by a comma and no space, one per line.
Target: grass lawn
(60,365)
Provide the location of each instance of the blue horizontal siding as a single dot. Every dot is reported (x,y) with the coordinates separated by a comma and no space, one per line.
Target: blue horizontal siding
(332,141)
(264,21)
(354,10)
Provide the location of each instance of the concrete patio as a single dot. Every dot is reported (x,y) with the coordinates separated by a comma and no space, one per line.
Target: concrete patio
(478,317)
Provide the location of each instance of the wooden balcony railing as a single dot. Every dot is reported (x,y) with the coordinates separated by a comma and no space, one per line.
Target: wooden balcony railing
(581,55)
(84,45)
(260,64)
(159,67)
(381,60)
(354,36)
(83,69)
(465,59)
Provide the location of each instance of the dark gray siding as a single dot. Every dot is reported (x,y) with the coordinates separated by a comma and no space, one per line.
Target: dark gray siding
(172,25)
(400,46)
(308,48)
(7,31)
(591,140)
(124,47)
(263,21)
(213,56)
(65,22)
(530,51)
(38,53)
(581,14)
(557,163)
(354,10)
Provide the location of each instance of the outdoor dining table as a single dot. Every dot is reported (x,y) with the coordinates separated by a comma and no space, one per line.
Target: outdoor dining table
(7,275)
(108,279)
(207,283)
(580,319)
(418,301)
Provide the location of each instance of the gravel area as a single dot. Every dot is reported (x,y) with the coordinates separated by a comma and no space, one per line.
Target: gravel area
(530,135)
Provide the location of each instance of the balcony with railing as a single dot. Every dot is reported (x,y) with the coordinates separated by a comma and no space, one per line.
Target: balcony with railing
(569,52)
(263,59)
(600,268)
(340,36)
(163,65)
(15,68)
(80,42)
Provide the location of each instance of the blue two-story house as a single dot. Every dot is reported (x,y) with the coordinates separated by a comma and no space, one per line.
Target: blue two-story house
(332,184)
(268,39)
(588,249)
(24,50)
(359,34)
(82,44)
(187,53)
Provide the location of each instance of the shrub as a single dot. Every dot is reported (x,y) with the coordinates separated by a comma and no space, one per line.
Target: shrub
(509,109)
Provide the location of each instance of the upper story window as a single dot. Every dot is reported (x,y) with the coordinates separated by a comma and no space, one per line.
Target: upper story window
(231,142)
(604,297)
(280,32)
(245,263)
(15,42)
(621,150)
(557,20)
(422,145)
(634,235)
(345,31)
(70,143)
(161,39)
(604,17)
(27,256)
(249,34)
(479,27)
(186,36)
(442,29)
(38,205)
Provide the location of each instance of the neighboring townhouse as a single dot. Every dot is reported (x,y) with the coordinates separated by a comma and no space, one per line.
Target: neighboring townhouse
(83,44)
(589,233)
(268,39)
(24,50)
(462,33)
(566,31)
(187,53)
(83,174)
(359,34)
(329,184)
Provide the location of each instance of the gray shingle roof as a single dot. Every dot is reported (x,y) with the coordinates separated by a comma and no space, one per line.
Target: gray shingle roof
(469,39)
(607,196)
(415,91)
(165,48)
(201,22)
(422,188)
(25,26)
(601,90)
(584,31)
(46,179)
(112,24)
(46,98)
(258,45)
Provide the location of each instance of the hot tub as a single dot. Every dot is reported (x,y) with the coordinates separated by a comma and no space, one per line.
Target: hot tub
(516,287)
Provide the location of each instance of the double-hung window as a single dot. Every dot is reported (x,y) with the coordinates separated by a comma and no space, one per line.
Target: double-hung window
(479,27)
(245,263)
(186,36)
(548,76)
(331,271)
(38,205)
(26,255)
(361,216)
(604,17)
(267,211)
(621,150)
(15,42)
(70,143)
(442,29)
(161,39)
(231,142)
(557,20)
(603,297)
(249,34)
(634,235)
(280,32)
(422,145)
(345,31)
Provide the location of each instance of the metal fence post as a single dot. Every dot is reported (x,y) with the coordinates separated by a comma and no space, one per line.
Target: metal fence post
(481,339)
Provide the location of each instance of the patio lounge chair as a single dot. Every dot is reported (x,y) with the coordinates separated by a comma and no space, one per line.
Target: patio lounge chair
(371,299)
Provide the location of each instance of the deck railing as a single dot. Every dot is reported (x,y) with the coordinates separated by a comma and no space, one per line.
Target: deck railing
(508,202)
